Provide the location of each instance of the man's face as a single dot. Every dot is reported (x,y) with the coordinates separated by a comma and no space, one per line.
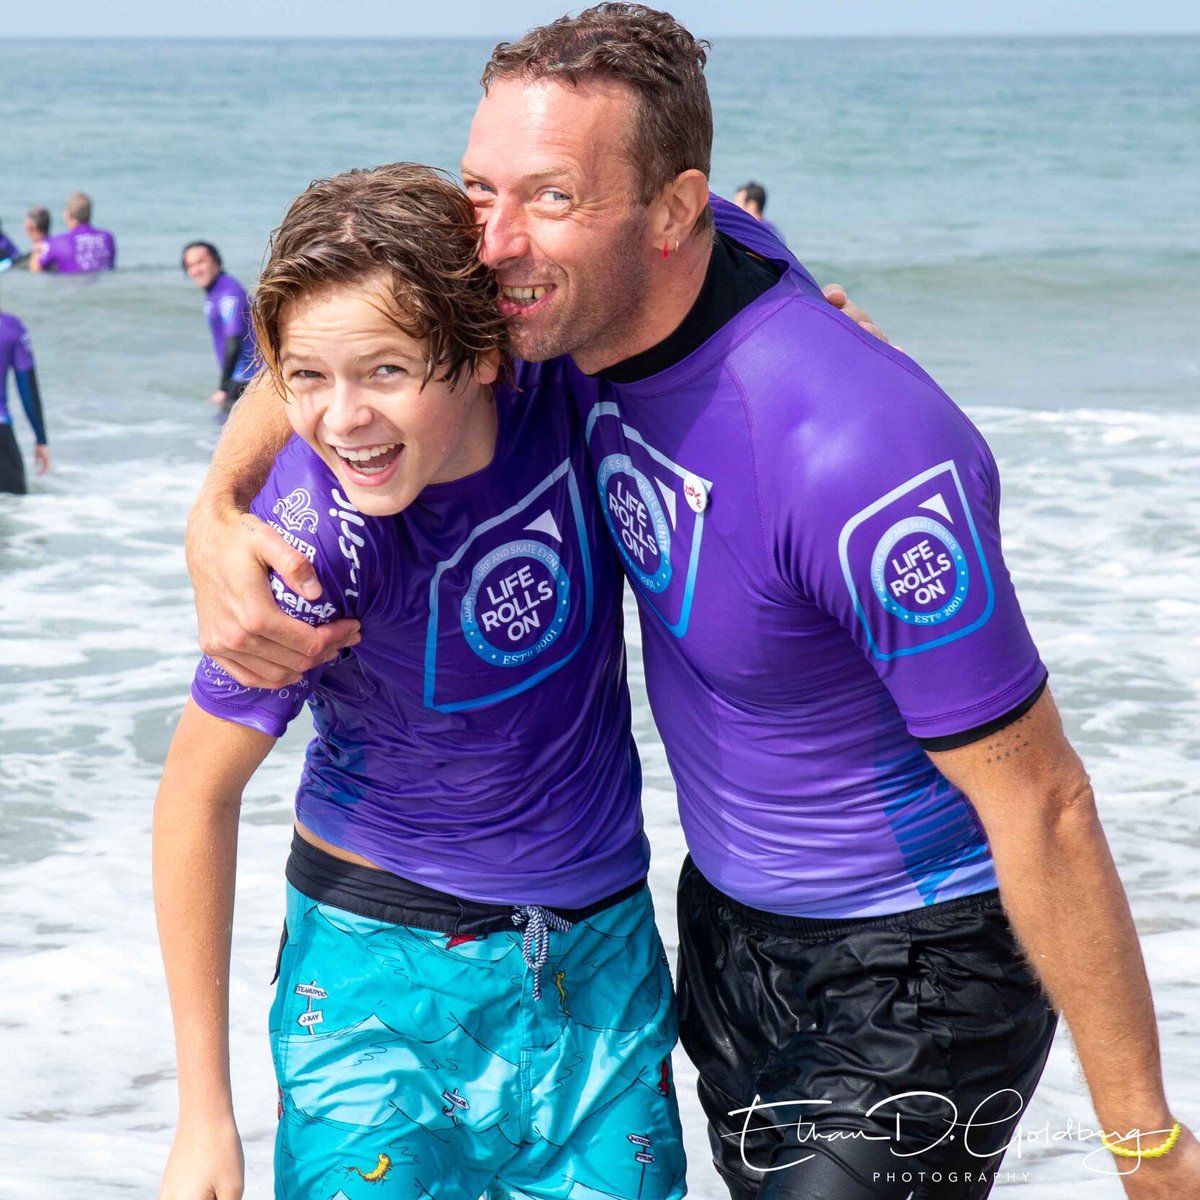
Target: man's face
(547,170)
(201,267)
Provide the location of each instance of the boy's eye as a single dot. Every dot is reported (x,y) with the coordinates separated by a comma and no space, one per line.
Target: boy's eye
(387,370)
(304,373)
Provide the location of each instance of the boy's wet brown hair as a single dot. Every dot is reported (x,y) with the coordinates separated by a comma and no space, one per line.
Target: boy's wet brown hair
(407,224)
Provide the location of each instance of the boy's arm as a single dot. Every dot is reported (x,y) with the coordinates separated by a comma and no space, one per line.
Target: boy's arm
(195,858)
(229,553)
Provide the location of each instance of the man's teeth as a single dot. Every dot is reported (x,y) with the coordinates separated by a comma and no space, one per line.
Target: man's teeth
(524,295)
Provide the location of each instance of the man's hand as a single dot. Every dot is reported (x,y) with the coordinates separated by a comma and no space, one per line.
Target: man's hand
(41,456)
(1172,1177)
(836,295)
(240,625)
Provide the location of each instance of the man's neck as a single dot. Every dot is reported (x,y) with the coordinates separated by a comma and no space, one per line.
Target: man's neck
(733,280)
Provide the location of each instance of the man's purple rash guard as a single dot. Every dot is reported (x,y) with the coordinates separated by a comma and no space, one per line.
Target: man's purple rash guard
(8,248)
(79,251)
(812,531)
(478,739)
(227,310)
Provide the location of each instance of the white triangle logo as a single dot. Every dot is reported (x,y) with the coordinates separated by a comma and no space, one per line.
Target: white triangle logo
(545,524)
(938,505)
(668,495)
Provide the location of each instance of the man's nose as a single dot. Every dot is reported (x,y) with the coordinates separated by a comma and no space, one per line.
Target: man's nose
(505,235)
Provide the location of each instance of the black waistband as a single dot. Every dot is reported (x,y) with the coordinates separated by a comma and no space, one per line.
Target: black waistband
(385,897)
(822,928)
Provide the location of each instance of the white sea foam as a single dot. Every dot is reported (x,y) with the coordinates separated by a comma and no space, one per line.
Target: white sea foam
(1058,305)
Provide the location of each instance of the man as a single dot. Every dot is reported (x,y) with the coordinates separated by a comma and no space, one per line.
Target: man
(82,249)
(811,530)
(752,198)
(16,353)
(37,229)
(227,310)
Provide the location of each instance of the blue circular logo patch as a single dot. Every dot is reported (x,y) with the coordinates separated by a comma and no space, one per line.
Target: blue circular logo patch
(517,603)
(919,572)
(636,520)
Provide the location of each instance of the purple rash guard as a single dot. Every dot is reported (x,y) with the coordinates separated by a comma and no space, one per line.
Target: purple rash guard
(478,739)
(79,251)
(812,531)
(17,353)
(227,310)
(8,248)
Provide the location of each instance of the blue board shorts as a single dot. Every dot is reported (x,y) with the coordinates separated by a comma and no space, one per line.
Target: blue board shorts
(447,1062)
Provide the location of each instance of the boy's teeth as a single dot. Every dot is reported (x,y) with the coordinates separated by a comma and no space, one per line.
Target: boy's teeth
(362,456)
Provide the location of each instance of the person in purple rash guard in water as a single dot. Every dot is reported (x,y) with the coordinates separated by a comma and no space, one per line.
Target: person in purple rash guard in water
(227,311)
(82,249)
(898,875)
(16,354)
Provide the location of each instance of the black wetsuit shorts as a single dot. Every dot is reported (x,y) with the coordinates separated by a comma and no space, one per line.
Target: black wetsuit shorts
(846,1015)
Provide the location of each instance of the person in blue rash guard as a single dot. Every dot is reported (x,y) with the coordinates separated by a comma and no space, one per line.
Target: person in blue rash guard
(227,310)
(16,354)
(472,995)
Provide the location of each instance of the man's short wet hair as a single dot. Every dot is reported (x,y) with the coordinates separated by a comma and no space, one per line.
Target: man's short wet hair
(755,193)
(649,52)
(410,225)
(216,254)
(39,218)
(79,207)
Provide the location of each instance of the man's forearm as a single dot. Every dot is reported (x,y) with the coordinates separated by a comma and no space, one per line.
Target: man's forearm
(1067,907)
(256,431)
(1069,912)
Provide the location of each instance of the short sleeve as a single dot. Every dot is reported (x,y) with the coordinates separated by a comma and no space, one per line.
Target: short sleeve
(301,501)
(23,351)
(231,312)
(896,534)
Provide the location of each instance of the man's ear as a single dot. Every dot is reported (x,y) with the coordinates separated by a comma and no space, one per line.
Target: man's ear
(678,208)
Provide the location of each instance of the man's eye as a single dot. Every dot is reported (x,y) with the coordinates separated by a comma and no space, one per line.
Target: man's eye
(478,192)
(555,196)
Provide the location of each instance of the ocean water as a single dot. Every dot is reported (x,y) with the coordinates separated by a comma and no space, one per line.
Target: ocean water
(1019,214)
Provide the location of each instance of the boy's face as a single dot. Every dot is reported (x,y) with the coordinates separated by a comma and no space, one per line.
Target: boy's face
(355,396)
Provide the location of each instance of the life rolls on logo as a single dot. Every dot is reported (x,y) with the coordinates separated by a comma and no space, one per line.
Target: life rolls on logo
(517,603)
(919,572)
(637,521)
(915,566)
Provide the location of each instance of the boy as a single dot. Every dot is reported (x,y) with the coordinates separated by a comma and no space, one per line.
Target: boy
(472,995)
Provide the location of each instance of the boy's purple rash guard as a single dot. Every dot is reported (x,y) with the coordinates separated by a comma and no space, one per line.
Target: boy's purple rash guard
(478,739)
(227,310)
(79,251)
(812,531)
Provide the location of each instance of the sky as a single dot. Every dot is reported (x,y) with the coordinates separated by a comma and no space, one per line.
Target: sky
(487,18)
